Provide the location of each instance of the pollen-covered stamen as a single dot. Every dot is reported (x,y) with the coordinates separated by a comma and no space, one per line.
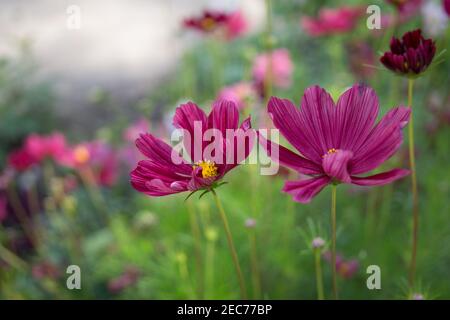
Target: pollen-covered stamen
(330,151)
(209,168)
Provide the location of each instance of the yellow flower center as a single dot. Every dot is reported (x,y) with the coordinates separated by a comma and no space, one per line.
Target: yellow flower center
(209,168)
(330,151)
(81,154)
(208,23)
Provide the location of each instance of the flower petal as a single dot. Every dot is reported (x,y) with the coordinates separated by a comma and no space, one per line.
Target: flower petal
(317,114)
(288,158)
(383,141)
(193,119)
(356,112)
(304,190)
(381,178)
(224,115)
(161,153)
(286,118)
(335,165)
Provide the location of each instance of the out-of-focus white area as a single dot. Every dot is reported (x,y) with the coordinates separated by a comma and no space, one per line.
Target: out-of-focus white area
(123,46)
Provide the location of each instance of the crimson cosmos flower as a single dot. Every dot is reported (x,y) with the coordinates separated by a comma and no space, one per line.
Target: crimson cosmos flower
(338,141)
(332,21)
(411,55)
(446,4)
(160,176)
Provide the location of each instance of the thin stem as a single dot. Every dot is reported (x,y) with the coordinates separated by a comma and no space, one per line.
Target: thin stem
(195,229)
(12,259)
(22,215)
(333,240)
(255,267)
(415,204)
(231,245)
(319,279)
(268,82)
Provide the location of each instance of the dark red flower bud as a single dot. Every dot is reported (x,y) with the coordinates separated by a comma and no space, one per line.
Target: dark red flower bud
(411,55)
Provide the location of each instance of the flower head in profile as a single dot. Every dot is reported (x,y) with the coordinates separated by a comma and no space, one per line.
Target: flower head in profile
(231,25)
(279,64)
(336,142)
(240,93)
(332,21)
(411,55)
(166,172)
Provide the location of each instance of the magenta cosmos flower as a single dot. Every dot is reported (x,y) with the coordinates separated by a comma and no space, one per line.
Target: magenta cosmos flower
(240,93)
(332,21)
(406,8)
(231,24)
(336,142)
(159,175)
(446,4)
(411,55)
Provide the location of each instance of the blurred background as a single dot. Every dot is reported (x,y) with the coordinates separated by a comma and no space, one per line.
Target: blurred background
(79,80)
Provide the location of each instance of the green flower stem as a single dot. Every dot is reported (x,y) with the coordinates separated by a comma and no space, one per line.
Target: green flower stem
(268,83)
(415,204)
(256,278)
(333,240)
(231,246)
(319,279)
(13,260)
(195,229)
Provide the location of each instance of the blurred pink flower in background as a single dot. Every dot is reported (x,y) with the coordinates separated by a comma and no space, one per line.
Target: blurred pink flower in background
(236,25)
(97,157)
(46,270)
(446,4)
(38,148)
(46,147)
(240,93)
(134,130)
(207,22)
(281,66)
(231,24)
(128,154)
(406,8)
(128,278)
(21,160)
(332,21)
(345,268)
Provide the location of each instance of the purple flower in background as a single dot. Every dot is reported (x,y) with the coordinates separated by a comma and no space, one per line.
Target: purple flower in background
(336,142)
(411,55)
(160,176)
(345,268)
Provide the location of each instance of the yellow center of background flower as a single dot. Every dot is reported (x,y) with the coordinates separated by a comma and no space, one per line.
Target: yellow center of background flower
(208,23)
(81,154)
(209,168)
